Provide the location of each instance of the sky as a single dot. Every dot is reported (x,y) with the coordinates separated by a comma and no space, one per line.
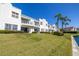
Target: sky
(49,10)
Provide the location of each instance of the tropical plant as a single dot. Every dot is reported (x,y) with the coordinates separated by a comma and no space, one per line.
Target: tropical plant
(58,16)
(65,21)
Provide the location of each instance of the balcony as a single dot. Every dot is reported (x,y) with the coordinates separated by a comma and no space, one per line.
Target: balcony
(36,23)
(28,21)
(25,21)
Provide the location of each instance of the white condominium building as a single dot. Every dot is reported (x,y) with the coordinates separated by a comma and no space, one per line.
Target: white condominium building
(43,24)
(11,18)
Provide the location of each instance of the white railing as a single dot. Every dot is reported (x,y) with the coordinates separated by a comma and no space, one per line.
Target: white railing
(24,21)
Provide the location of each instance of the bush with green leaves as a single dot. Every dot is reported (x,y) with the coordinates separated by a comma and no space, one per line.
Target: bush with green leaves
(70,32)
(45,32)
(10,31)
(58,33)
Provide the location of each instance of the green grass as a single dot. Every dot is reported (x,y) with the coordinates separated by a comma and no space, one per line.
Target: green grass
(35,45)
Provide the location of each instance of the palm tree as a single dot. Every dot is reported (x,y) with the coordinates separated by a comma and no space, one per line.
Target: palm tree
(64,20)
(58,16)
(66,23)
(67,20)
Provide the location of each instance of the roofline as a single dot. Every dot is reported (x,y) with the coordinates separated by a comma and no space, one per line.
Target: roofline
(27,16)
(15,7)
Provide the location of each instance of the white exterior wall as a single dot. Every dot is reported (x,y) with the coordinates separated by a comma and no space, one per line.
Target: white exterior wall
(55,28)
(32,28)
(30,25)
(43,26)
(74,29)
(6,16)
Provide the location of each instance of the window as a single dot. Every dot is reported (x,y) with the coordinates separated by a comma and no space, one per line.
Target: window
(14,27)
(10,27)
(41,23)
(31,23)
(7,26)
(46,24)
(15,15)
(46,30)
(42,30)
(37,23)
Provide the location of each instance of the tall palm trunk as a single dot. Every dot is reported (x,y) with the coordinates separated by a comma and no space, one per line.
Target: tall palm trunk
(57,23)
(62,24)
(65,25)
(58,16)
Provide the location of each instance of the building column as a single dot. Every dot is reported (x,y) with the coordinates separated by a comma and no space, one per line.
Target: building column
(31,30)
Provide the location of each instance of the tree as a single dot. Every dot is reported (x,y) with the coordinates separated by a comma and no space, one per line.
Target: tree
(65,20)
(66,23)
(58,16)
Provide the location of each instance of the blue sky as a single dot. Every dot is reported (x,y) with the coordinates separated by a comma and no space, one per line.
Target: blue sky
(48,11)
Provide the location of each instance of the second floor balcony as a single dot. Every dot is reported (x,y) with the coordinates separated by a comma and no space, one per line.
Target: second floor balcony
(28,21)
(25,20)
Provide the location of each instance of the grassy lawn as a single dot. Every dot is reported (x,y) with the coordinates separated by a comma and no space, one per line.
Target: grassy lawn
(35,44)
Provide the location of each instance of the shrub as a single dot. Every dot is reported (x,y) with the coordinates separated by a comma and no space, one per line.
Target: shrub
(61,34)
(58,33)
(70,32)
(61,29)
(45,32)
(10,31)
(34,32)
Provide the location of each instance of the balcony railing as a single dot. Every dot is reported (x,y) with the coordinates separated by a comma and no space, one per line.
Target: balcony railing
(27,23)
(24,21)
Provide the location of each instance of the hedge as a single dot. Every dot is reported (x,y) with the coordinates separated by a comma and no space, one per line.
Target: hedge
(58,33)
(9,31)
(45,32)
(70,32)
(42,32)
